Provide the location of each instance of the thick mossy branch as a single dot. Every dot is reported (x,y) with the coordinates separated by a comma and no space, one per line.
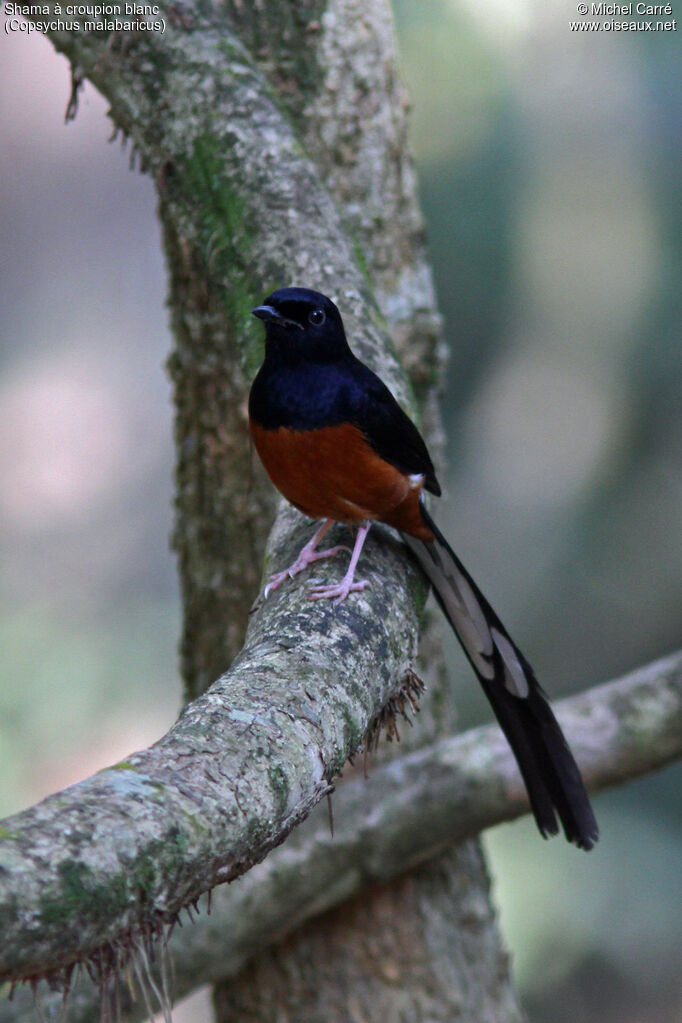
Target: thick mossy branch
(122,852)
(405,812)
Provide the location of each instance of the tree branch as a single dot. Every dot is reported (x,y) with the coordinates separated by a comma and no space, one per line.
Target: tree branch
(406,812)
(122,852)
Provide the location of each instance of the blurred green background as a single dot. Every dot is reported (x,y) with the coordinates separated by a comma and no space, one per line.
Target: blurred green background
(550,164)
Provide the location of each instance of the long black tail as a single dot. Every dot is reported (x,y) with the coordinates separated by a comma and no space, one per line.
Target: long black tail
(551,774)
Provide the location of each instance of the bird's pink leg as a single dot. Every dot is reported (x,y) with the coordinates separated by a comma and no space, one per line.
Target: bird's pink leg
(306,557)
(339,591)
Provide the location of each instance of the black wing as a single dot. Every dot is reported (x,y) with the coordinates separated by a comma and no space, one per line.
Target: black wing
(388,429)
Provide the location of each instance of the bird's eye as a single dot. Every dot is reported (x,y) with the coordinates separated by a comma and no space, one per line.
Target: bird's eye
(316,317)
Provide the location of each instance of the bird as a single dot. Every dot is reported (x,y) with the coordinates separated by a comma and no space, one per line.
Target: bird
(339,447)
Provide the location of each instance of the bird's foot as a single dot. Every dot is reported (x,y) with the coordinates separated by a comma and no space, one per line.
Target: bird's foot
(305,558)
(337,591)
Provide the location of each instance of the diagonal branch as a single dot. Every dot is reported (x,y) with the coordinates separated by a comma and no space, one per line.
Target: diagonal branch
(407,811)
(121,853)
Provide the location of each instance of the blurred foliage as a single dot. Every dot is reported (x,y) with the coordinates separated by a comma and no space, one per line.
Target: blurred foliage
(550,169)
(463,136)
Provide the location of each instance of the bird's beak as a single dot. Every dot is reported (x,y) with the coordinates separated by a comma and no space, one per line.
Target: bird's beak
(269,314)
(266,312)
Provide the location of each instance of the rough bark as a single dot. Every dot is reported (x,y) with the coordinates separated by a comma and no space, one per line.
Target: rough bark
(404,814)
(373,957)
(118,854)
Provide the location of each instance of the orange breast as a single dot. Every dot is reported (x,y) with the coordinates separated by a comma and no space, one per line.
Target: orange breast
(333,473)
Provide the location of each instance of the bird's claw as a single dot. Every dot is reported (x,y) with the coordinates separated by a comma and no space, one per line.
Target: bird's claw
(304,559)
(337,591)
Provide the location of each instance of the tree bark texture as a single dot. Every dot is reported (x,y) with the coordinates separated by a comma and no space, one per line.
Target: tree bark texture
(394,954)
(122,852)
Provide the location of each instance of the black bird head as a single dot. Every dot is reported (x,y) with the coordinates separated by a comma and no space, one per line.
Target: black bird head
(302,324)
